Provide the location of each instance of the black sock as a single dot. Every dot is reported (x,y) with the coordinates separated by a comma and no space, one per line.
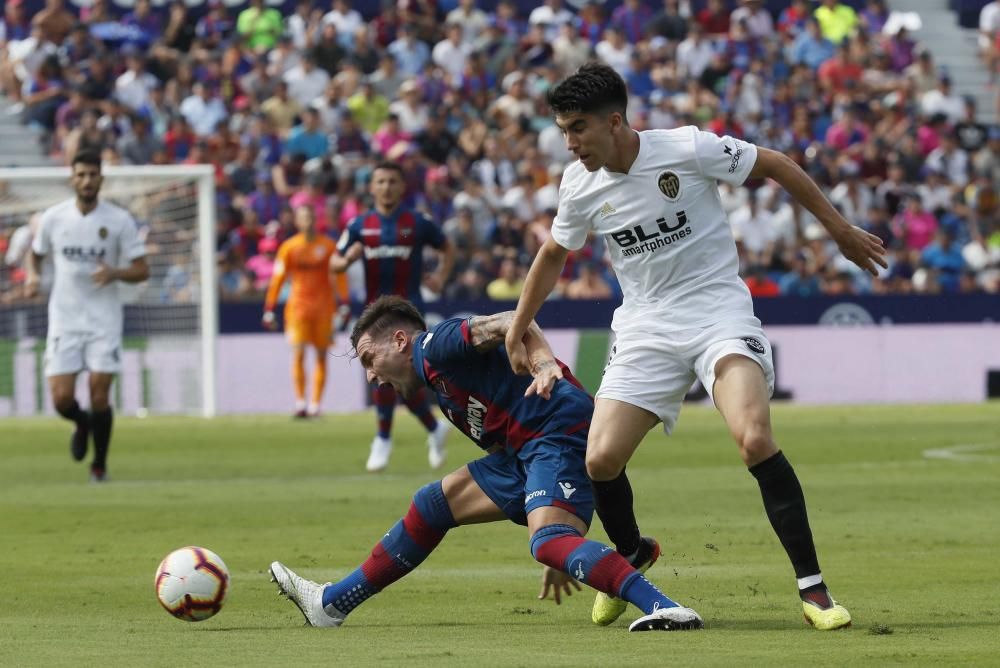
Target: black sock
(100,425)
(613,502)
(786,508)
(74,413)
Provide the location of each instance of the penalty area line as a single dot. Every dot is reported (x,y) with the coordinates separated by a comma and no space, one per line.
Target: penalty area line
(965,452)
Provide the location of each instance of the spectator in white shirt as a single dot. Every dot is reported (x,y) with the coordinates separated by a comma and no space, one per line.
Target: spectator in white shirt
(306,82)
(759,23)
(346,19)
(450,53)
(202,111)
(614,50)
(942,100)
(695,53)
(472,20)
(133,87)
(552,15)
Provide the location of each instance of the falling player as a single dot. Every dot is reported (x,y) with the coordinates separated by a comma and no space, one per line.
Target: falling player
(391,238)
(686,313)
(304,259)
(535,434)
(88,239)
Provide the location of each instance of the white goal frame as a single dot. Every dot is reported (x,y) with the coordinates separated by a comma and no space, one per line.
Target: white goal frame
(208,307)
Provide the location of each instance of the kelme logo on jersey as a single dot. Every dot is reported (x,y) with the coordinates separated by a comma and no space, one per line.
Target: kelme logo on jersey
(475,415)
(669,184)
(754,345)
(666,232)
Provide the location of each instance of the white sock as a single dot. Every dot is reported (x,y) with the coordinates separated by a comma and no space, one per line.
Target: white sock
(809,581)
(300,404)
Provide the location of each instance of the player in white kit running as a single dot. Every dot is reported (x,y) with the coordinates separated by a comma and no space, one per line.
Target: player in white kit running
(686,313)
(89,240)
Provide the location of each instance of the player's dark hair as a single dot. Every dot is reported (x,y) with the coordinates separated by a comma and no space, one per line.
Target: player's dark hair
(392,166)
(87,157)
(385,313)
(594,88)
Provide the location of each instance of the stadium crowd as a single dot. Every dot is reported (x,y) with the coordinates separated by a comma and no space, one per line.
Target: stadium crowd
(297,109)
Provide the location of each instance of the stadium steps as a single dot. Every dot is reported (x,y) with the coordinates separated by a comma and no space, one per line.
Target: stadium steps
(20,145)
(954,51)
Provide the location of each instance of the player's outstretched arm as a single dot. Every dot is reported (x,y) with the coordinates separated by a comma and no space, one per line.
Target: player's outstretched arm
(488,332)
(541,279)
(858,246)
(446,263)
(339,263)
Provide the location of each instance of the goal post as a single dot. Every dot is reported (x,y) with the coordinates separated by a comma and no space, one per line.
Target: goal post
(171,320)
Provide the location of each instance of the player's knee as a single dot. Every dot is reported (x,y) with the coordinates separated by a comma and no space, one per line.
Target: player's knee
(548,544)
(99,401)
(63,401)
(756,444)
(602,464)
(432,505)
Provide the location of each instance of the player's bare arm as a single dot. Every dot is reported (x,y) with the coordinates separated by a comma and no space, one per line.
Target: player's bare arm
(858,246)
(34,272)
(136,272)
(488,332)
(541,279)
(339,263)
(446,263)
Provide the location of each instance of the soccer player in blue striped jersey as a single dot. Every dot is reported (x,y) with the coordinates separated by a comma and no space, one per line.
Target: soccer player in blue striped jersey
(534,431)
(391,239)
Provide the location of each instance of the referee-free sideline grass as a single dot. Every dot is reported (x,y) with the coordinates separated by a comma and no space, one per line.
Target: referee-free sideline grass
(904,504)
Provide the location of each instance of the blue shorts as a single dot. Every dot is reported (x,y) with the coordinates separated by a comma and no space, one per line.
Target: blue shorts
(547,471)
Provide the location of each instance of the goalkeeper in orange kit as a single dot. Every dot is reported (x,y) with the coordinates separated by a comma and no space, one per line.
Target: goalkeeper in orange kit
(309,312)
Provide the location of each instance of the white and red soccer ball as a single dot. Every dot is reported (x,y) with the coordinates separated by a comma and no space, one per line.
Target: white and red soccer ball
(191,583)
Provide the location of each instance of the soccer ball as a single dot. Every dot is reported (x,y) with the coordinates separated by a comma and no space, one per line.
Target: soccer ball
(191,583)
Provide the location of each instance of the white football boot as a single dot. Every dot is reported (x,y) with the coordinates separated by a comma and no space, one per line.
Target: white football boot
(378,459)
(436,451)
(668,619)
(307,595)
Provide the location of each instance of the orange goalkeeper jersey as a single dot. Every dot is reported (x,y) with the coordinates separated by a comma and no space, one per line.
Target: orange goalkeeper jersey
(307,264)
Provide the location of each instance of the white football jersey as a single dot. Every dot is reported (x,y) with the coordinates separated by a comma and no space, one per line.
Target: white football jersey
(77,243)
(667,234)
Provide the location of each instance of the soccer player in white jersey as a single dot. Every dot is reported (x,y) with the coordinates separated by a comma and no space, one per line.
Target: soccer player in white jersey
(686,313)
(89,240)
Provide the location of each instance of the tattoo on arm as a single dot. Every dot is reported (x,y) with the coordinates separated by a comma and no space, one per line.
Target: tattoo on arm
(488,331)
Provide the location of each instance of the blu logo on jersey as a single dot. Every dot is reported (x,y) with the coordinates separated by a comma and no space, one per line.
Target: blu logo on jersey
(630,237)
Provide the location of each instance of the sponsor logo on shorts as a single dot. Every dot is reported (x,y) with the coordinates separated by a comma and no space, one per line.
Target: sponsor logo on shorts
(754,345)
(567,489)
(536,493)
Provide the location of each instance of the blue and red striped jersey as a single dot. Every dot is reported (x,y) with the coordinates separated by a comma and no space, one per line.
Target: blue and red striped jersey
(393,251)
(484,398)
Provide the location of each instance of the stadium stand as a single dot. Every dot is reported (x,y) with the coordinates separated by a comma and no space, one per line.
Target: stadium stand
(296,103)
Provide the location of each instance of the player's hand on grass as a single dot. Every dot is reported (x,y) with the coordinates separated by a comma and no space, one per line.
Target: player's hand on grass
(268,321)
(103,274)
(862,248)
(558,583)
(546,373)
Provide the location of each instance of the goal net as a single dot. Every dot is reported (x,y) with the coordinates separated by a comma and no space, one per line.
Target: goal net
(168,351)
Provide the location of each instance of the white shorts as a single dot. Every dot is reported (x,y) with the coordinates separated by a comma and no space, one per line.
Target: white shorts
(654,371)
(72,352)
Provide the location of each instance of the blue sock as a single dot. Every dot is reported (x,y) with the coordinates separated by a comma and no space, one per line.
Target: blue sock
(404,548)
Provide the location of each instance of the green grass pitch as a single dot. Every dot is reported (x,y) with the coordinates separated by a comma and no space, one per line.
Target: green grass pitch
(908,541)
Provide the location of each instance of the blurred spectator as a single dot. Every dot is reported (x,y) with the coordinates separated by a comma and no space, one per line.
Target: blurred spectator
(588,284)
(203,110)
(306,82)
(259,26)
(261,265)
(810,47)
(942,100)
(914,225)
(760,284)
(308,138)
(508,284)
(837,21)
(139,147)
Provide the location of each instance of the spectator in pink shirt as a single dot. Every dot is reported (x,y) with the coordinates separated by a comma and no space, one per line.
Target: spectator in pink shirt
(388,135)
(314,195)
(915,225)
(929,133)
(261,265)
(848,134)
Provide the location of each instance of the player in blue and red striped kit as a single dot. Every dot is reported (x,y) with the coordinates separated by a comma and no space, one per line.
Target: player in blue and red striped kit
(535,433)
(391,239)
